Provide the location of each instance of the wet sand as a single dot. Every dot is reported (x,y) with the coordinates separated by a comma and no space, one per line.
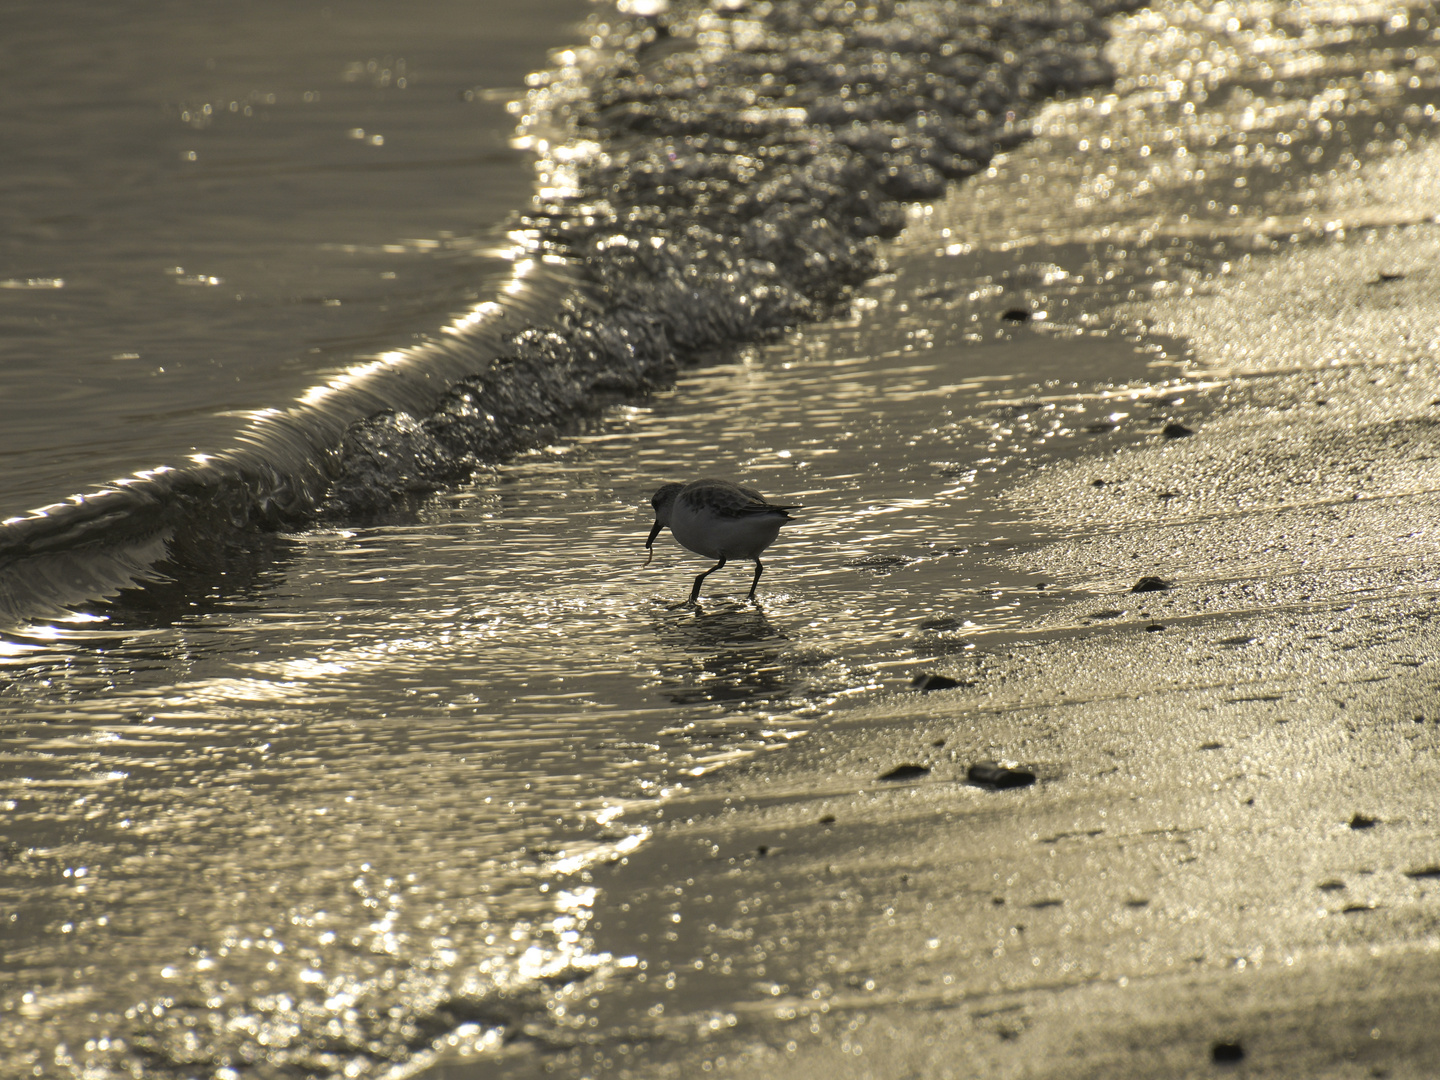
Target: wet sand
(1231,842)
(1196,359)
(1228,862)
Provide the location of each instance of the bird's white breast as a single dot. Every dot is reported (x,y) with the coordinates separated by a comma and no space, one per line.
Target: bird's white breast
(722,536)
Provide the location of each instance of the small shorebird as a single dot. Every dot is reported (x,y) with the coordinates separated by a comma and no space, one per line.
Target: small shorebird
(719,520)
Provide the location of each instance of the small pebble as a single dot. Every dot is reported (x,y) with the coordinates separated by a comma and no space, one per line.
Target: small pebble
(1227,1053)
(1151,584)
(906,772)
(1155,628)
(988,774)
(1176,431)
(1015,315)
(928,682)
(1362,821)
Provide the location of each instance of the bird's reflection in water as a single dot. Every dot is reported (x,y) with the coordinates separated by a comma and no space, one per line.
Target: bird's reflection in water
(724,653)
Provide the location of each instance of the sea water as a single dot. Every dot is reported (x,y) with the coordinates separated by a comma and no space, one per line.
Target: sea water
(321,804)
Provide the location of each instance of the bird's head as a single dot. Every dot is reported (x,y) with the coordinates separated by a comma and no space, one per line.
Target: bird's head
(663,501)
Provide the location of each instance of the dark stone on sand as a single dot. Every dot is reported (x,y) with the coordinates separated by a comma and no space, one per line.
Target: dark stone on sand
(1150,584)
(1212,746)
(1427,872)
(763,850)
(828,819)
(1238,639)
(988,774)
(1330,886)
(1155,628)
(1363,821)
(1227,1053)
(1176,431)
(1385,277)
(906,772)
(1098,483)
(929,681)
(1015,315)
(940,624)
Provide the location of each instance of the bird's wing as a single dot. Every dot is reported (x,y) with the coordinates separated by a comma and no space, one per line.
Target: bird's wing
(730,500)
(759,505)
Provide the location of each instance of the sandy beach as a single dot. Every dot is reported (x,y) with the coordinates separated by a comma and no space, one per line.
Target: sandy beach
(1225,690)
(1085,722)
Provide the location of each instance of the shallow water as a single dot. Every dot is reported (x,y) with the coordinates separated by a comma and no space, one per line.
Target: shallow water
(458,703)
(313,814)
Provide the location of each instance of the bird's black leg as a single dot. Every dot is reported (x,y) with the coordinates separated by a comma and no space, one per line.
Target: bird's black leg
(759,569)
(695,592)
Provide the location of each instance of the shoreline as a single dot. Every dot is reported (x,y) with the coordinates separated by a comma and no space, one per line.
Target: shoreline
(1229,855)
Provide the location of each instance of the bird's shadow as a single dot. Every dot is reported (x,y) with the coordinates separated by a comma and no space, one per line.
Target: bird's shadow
(722,651)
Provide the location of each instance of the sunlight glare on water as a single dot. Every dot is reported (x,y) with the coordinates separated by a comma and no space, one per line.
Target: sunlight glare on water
(313,822)
(360,770)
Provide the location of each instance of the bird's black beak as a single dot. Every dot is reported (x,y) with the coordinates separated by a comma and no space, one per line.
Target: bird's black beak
(650,540)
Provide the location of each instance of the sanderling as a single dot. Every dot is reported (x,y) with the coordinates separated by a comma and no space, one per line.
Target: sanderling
(719,520)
